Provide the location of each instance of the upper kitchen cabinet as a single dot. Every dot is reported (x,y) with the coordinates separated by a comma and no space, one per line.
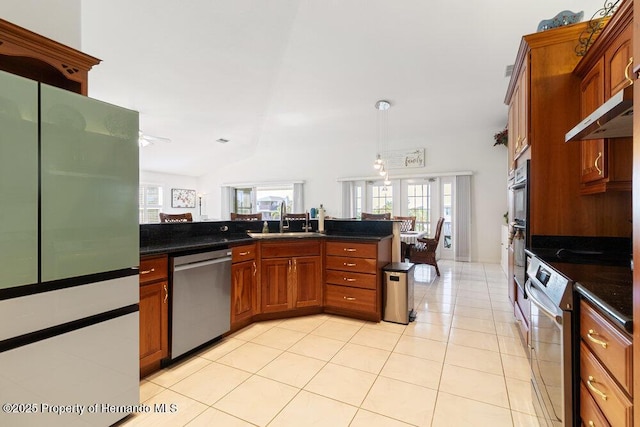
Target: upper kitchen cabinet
(519,117)
(545,65)
(18,181)
(33,56)
(542,77)
(606,163)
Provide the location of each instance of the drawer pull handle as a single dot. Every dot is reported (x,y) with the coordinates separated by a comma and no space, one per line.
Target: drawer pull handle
(591,424)
(244,253)
(594,389)
(349,298)
(166,294)
(604,344)
(349,250)
(148,271)
(347,279)
(349,264)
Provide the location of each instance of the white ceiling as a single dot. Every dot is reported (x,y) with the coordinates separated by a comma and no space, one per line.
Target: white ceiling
(253,71)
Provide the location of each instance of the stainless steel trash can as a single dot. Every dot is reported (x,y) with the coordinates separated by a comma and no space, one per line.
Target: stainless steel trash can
(398,293)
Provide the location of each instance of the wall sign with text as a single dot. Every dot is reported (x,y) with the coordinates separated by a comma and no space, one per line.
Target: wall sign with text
(401,159)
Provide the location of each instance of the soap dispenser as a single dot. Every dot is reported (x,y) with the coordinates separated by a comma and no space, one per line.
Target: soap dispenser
(265,227)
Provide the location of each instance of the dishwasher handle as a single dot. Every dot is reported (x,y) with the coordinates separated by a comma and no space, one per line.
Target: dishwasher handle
(201,264)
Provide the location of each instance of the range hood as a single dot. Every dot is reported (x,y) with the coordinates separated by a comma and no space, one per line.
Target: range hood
(613,119)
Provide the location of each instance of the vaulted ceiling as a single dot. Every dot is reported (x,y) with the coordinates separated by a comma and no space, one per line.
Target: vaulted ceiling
(295,71)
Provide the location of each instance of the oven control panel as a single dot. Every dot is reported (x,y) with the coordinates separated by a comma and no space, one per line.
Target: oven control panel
(550,282)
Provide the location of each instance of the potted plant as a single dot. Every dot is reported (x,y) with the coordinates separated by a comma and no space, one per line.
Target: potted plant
(502,137)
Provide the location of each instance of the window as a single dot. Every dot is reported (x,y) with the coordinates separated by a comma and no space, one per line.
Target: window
(150,203)
(263,198)
(269,200)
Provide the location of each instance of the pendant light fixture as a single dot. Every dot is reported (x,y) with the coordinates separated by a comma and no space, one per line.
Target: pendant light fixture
(382,106)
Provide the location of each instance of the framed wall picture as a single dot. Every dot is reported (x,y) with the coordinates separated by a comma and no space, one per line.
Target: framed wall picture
(181,198)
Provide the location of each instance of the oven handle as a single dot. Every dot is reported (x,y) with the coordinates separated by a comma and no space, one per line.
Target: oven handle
(531,293)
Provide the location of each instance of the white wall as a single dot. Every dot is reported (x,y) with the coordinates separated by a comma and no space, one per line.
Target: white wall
(320,163)
(58,20)
(169,181)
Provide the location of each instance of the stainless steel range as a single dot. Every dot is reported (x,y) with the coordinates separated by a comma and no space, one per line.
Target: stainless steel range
(550,343)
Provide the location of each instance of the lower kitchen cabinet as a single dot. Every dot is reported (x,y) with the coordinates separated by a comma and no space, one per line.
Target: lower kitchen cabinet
(606,370)
(244,284)
(353,277)
(290,275)
(154,313)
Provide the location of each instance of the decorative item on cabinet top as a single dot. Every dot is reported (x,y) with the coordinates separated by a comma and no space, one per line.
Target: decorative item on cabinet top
(566,17)
(596,24)
(502,137)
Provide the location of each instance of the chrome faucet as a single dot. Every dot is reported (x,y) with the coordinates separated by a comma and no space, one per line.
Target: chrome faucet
(283,213)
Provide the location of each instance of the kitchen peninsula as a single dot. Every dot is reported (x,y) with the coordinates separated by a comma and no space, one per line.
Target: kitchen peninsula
(274,276)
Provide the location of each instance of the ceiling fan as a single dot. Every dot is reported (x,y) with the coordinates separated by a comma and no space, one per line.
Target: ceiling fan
(145,140)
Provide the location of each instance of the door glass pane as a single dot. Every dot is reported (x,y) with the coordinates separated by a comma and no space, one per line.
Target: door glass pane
(89,185)
(243,201)
(382,201)
(419,205)
(447,206)
(18,181)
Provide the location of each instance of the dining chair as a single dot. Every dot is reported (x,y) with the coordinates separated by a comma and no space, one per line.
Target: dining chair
(366,215)
(296,216)
(183,217)
(408,223)
(424,251)
(246,217)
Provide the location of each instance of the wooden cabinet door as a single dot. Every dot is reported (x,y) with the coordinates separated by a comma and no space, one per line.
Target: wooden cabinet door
(513,130)
(522,97)
(618,58)
(243,290)
(276,290)
(593,166)
(307,274)
(154,323)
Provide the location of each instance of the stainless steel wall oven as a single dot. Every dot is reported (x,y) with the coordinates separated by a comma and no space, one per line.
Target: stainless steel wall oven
(520,235)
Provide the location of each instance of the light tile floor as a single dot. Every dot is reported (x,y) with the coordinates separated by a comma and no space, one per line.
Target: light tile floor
(459,364)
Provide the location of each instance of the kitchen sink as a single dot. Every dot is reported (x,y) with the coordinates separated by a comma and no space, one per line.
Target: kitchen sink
(288,235)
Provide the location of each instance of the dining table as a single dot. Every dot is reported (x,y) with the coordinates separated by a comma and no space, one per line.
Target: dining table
(408,239)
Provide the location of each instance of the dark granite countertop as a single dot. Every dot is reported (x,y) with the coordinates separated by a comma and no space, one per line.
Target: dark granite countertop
(607,284)
(196,237)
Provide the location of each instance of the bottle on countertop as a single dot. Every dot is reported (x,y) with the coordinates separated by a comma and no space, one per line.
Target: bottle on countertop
(321,219)
(265,227)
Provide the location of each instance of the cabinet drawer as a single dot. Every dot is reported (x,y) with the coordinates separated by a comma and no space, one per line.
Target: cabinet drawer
(357,250)
(610,398)
(243,253)
(360,265)
(590,414)
(290,249)
(610,345)
(154,268)
(356,280)
(350,298)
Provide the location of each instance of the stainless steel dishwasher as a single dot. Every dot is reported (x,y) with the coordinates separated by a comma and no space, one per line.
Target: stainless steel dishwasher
(201,299)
